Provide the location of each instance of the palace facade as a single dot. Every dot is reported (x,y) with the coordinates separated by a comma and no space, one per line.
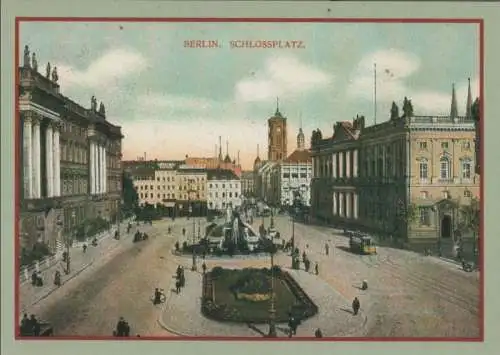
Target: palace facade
(407,177)
(70,160)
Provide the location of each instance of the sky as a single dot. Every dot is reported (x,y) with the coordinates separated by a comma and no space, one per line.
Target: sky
(171,100)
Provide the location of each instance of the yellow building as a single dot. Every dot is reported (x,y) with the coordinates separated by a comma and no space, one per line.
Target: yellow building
(414,174)
(191,189)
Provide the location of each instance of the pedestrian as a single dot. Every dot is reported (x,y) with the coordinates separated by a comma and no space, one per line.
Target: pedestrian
(25,325)
(204,267)
(355,305)
(120,327)
(327,249)
(178,286)
(126,329)
(316,269)
(84,247)
(318,333)
(183,231)
(304,257)
(307,264)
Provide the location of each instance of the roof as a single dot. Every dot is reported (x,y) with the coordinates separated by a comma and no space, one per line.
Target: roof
(227,159)
(247,175)
(299,156)
(221,174)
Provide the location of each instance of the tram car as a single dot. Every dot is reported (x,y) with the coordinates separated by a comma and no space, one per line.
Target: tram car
(361,244)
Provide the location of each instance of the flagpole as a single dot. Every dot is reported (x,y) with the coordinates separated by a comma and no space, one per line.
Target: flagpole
(375,93)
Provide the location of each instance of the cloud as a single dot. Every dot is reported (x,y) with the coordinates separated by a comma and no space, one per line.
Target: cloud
(282,76)
(104,71)
(394,67)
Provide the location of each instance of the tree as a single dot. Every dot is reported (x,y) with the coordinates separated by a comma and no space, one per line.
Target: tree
(408,215)
(470,219)
(129,193)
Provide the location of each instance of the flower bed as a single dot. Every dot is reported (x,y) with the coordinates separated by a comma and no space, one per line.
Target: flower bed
(244,296)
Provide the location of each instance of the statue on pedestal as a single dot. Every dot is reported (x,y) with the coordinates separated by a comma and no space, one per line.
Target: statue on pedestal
(102,109)
(93,104)
(55,77)
(26,56)
(394,111)
(47,71)
(407,108)
(34,62)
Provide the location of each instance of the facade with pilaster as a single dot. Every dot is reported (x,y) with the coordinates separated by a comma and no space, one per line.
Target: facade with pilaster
(70,160)
(335,191)
(414,175)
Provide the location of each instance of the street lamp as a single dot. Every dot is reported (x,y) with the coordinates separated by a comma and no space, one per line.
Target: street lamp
(272,309)
(73,232)
(193,267)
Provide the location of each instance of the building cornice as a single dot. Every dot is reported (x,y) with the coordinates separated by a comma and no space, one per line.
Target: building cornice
(26,105)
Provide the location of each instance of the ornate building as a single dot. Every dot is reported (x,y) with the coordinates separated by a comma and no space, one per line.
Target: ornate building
(247,184)
(223,189)
(218,161)
(70,159)
(291,178)
(414,174)
(277,137)
(335,194)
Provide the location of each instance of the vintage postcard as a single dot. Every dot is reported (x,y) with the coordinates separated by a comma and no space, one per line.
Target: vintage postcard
(248,179)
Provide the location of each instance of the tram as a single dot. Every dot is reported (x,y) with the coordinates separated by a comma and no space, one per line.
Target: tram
(362,244)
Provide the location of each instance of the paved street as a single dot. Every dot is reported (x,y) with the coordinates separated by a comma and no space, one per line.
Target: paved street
(409,295)
(119,283)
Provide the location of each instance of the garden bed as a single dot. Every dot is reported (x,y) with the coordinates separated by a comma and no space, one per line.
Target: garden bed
(243,296)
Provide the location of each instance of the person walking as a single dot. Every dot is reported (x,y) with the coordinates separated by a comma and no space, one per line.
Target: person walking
(327,249)
(318,333)
(355,305)
(316,269)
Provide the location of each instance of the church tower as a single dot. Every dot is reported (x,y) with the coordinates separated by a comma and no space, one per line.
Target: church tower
(277,139)
(301,138)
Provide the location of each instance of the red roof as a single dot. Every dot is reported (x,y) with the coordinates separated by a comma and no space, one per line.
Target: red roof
(299,156)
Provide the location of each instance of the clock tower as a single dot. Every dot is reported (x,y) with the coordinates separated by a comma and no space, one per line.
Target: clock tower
(277,138)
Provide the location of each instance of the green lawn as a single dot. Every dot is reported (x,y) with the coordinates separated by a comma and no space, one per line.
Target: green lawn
(253,311)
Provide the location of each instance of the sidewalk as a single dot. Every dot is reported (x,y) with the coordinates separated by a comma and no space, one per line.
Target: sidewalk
(30,295)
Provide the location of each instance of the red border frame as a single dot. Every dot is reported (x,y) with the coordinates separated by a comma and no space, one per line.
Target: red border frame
(478,21)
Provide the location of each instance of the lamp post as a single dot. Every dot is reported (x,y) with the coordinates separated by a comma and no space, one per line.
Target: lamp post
(272,309)
(193,267)
(68,262)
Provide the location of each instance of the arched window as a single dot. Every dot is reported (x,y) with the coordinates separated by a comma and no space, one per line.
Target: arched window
(466,167)
(444,168)
(423,169)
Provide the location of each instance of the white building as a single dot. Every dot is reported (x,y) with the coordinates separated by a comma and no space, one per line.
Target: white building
(291,178)
(223,188)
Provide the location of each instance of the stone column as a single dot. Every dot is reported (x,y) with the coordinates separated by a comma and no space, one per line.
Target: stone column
(57,162)
(341,164)
(348,204)
(355,206)
(101,169)
(341,204)
(355,163)
(28,156)
(335,197)
(348,163)
(96,168)
(91,167)
(49,160)
(105,160)
(37,187)
(334,165)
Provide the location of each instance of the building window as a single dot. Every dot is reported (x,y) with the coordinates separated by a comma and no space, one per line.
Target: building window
(295,175)
(466,145)
(423,169)
(423,145)
(159,195)
(223,194)
(230,194)
(467,193)
(425,216)
(235,194)
(223,186)
(303,175)
(444,145)
(446,194)
(444,169)
(210,185)
(424,195)
(151,195)
(466,169)
(286,176)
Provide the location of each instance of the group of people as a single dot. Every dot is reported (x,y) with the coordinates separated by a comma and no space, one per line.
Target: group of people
(122,328)
(180,279)
(30,326)
(36,278)
(138,236)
